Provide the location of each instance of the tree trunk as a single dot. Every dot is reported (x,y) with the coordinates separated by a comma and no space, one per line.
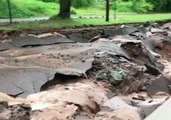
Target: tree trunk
(107,10)
(65,6)
(9,10)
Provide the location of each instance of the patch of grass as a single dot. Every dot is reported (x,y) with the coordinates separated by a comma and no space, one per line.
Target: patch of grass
(28,8)
(36,8)
(59,23)
(99,10)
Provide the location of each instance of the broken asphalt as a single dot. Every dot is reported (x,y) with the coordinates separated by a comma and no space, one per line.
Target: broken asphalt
(48,70)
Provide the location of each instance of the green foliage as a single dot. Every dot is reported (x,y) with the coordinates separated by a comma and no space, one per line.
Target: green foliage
(56,1)
(27,8)
(144,6)
(59,23)
(139,6)
(82,3)
(36,8)
(123,6)
(161,5)
(73,11)
(3,8)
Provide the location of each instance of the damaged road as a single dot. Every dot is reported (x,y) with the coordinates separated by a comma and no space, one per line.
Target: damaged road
(35,69)
(48,70)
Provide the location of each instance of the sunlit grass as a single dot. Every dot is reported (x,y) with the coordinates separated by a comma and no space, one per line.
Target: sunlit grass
(37,8)
(59,23)
(28,8)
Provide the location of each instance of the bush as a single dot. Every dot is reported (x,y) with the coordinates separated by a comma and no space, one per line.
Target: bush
(56,1)
(141,6)
(122,6)
(27,8)
(82,3)
(73,11)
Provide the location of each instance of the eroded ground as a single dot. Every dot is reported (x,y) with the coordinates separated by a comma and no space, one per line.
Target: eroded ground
(120,73)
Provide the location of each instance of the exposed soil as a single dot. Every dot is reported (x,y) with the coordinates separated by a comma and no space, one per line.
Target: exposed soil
(165,51)
(16,112)
(75,80)
(69,30)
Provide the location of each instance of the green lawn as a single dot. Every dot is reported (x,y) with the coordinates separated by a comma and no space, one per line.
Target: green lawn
(100,10)
(36,8)
(55,24)
(28,8)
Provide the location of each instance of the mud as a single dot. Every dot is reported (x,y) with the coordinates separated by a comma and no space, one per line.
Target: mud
(165,51)
(15,112)
(71,75)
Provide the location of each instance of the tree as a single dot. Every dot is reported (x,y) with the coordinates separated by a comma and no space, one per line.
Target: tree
(159,5)
(9,9)
(107,10)
(65,6)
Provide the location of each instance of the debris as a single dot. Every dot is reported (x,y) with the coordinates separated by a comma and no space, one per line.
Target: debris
(156,30)
(117,77)
(128,30)
(5,46)
(33,41)
(95,38)
(150,106)
(16,112)
(117,103)
(26,41)
(152,70)
(112,32)
(58,112)
(159,85)
(162,113)
(78,38)
(22,85)
(44,35)
(83,117)
(167,26)
(64,76)
(83,66)
(64,96)
(120,114)
(142,98)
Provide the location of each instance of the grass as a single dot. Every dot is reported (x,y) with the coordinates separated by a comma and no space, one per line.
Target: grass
(100,10)
(56,24)
(28,8)
(37,8)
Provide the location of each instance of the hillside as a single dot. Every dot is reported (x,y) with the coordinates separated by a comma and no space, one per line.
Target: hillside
(28,8)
